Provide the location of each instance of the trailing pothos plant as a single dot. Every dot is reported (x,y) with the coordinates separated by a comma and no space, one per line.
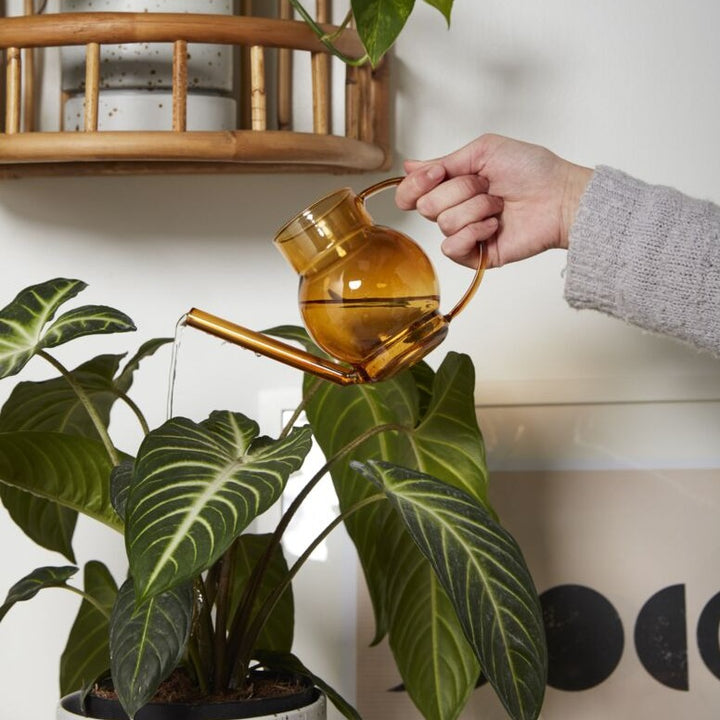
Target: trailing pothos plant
(449,585)
(378,23)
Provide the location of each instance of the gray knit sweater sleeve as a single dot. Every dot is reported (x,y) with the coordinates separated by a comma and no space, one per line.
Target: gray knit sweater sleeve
(649,255)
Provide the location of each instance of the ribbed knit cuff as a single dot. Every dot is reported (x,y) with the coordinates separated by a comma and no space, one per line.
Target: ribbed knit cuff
(649,255)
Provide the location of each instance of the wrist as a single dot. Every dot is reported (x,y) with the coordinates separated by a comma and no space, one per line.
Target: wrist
(576,183)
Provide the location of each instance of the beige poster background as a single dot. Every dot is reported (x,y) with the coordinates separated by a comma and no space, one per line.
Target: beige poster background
(626,534)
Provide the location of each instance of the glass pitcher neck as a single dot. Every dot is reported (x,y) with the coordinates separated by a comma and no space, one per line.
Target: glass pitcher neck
(326,224)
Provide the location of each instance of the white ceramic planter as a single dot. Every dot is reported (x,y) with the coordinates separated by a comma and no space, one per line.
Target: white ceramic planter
(136,78)
(316,711)
(149,65)
(142,110)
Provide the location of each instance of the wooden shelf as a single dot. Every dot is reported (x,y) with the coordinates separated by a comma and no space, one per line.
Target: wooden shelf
(25,150)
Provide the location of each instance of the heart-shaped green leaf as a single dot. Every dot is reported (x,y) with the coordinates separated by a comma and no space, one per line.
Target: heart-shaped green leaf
(33,583)
(147,641)
(195,489)
(87,652)
(70,470)
(436,429)
(53,405)
(379,22)
(484,573)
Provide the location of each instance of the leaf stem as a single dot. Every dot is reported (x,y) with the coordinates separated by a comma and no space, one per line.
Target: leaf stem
(327,39)
(86,403)
(136,411)
(89,598)
(261,616)
(241,638)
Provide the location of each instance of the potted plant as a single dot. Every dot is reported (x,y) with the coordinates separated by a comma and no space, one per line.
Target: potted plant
(207,602)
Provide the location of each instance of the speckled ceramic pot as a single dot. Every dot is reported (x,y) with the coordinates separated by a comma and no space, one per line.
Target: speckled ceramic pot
(148,66)
(136,78)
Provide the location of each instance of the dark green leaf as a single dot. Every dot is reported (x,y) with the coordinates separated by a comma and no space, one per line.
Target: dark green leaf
(87,652)
(33,583)
(46,523)
(196,488)
(148,348)
(23,320)
(54,406)
(291,663)
(447,443)
(484,573)
(147,641)
(379,22)
(120,480)
(86,320)
(277,634)
(70,470)
(407,599)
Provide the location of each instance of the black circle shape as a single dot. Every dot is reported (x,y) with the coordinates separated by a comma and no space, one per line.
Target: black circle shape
(707,635)
(584,635)
(661,637)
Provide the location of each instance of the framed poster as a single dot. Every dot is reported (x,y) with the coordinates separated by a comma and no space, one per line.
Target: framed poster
(616,506)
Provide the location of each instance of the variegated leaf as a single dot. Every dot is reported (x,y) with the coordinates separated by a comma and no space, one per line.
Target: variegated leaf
(195,489)
(484,573)
(86,320)
(87,652)
(23,320)
(147,641)
(33,583)
(429,411)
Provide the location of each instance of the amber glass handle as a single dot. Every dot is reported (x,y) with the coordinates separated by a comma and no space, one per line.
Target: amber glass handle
(482,259)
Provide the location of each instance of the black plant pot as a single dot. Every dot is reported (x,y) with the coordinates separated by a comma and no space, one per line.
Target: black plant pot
(306,704)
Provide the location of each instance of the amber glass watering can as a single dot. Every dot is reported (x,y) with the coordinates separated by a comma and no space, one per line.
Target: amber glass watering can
(368,294)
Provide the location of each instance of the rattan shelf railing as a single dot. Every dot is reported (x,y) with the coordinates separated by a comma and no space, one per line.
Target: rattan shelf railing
(25,150)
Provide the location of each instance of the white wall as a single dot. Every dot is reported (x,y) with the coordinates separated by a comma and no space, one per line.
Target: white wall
(629,83)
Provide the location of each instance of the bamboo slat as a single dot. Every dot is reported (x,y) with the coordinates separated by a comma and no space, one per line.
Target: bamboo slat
(258,101)
(28,112)
(92,86)
(352,103)
(320,69)
(13,90)
(284,75)
(245,146)
(179,86)
(365,126)
(379,108)
(58,29)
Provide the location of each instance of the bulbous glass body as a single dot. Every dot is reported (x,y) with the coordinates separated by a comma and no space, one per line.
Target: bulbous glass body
(365,290)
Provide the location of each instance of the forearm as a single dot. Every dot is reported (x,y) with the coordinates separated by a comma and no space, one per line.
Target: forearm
(648,255)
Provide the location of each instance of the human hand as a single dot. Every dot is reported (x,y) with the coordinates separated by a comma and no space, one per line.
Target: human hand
(516,198)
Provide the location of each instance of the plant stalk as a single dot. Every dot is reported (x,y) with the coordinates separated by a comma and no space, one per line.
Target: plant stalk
(260,618)
(237,630)
(87,404)
(327,39)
